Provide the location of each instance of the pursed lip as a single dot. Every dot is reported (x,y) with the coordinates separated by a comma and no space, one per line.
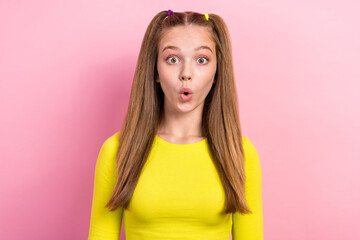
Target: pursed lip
(183,90)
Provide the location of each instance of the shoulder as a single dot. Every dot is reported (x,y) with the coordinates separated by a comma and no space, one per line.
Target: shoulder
(110,145)
(112,141)
(250,153)
(248,146)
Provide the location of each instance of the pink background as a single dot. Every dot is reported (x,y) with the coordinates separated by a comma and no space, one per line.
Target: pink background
(66,70)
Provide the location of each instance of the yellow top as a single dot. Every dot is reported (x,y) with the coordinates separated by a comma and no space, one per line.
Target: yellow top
(179,195)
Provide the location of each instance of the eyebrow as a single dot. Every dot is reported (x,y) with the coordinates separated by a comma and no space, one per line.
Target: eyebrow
(196,49)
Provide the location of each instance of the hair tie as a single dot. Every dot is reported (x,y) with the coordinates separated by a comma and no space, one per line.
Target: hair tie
(206,16)
(168,14)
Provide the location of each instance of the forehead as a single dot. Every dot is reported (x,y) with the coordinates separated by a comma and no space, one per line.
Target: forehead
(187,36)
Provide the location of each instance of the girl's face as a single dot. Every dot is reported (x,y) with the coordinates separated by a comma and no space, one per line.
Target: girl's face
(186,59)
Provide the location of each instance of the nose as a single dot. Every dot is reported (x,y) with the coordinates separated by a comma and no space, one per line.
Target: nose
(185,77)
(186,72)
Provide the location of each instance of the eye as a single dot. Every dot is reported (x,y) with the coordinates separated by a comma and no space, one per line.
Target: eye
(172,59)
(203,60)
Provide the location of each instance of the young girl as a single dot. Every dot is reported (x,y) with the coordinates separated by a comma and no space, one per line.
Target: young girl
(179,168)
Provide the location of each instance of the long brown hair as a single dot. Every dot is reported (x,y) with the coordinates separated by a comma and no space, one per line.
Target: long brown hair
(220,118)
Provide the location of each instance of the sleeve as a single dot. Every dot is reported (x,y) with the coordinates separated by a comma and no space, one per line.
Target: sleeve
(250,226)
(105,224)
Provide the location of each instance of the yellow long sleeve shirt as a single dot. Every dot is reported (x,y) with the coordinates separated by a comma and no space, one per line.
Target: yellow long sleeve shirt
(179,195)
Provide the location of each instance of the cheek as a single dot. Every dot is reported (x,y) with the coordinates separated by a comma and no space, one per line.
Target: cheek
(209,74)
(163,70)
(159,68)
(208,79)
(164,78)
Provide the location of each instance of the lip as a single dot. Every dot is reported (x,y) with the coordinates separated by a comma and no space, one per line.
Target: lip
(188,90)
(185,97)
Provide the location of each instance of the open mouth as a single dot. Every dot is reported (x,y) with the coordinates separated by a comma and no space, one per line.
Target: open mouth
(186,96)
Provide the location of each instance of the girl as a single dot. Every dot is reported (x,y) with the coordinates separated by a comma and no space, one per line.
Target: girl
(179,168)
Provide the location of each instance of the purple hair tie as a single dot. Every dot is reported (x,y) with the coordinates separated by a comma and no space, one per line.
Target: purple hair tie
(169,12)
